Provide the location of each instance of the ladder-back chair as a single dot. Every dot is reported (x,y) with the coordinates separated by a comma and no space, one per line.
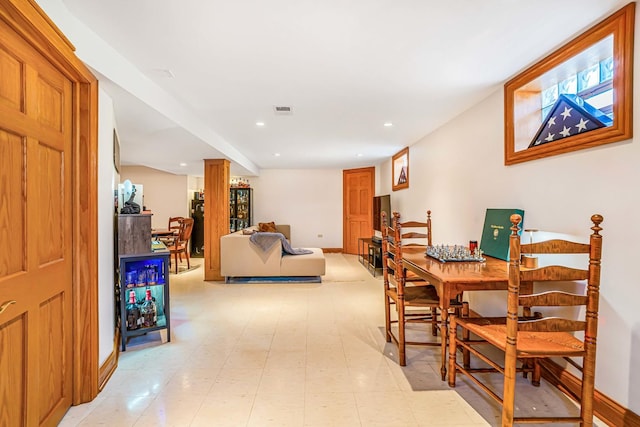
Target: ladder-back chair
(532,339)
(414,299)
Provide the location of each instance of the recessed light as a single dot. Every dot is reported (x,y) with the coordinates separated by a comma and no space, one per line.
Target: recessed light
(359,155)
(259,123)
(388,124)
(276,154)
(183,164)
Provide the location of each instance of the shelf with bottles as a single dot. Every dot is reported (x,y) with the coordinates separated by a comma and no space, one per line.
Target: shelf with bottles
(240,208)
(142,299)
(144,281)
(237,225)
(239,182)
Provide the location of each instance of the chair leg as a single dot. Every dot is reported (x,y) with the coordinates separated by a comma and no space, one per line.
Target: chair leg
(509,389)
(387,318)
(588,384)
(176,260)
(402,347)
(434,321)
(535,377)
(186,254)
(466,355)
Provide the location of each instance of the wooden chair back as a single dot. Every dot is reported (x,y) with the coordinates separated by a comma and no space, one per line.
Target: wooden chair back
(174,223)
(184,234)
(414,235)
(555,273)
(181,243)
(388,248)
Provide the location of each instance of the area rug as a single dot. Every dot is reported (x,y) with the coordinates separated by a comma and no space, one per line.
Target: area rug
(280,279)
(183,268)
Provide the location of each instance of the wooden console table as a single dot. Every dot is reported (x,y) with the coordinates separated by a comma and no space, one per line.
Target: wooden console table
(370,254)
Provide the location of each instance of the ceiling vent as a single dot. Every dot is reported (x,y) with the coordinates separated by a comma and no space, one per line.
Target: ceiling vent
(282,110)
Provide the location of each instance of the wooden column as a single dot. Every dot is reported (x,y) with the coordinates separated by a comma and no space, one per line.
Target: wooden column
(216,214)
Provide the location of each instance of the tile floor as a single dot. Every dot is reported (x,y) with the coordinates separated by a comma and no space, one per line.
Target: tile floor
(281,355)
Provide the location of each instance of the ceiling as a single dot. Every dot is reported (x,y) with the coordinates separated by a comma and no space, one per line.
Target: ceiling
(344,67)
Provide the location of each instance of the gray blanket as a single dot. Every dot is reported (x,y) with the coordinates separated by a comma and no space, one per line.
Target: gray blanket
(265,241)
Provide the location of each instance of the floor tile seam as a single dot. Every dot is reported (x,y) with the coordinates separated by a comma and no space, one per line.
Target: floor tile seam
(137,418)
(351,393)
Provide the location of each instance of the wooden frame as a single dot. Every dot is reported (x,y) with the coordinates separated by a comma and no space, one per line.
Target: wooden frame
(216,224)
(520,100)
(400,170)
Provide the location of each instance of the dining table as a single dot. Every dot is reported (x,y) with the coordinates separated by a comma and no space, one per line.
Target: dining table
(452,278)
(159,232)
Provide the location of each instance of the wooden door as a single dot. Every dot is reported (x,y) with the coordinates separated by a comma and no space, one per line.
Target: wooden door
(36,236)
(358,189)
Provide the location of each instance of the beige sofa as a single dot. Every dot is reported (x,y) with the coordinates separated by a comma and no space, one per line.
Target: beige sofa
(239,258)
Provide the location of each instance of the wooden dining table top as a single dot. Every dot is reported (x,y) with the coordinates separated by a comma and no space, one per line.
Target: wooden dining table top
(492,273)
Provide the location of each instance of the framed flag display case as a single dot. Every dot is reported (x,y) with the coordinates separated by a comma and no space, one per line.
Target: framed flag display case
(579,96)
(400,170)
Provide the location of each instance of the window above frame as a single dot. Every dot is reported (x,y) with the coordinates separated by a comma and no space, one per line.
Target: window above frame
(593,74)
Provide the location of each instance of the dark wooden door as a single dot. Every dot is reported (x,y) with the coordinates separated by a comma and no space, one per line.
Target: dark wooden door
(36,233)
(358,190)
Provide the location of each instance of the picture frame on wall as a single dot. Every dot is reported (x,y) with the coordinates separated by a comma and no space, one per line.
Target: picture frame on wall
(400,170)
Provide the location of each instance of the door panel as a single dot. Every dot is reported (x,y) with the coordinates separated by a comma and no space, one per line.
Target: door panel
(36,218)
(12,212)
(51,198)
(11,82)
(52,363)
(13,366)
(358,206)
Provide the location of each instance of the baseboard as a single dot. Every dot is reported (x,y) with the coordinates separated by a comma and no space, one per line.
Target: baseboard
(605,408)
(332,250)
(109,366)
(274,279)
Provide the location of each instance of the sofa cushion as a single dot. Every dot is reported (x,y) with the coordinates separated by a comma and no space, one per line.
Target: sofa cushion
(238,257)
(269,227)
(312,264)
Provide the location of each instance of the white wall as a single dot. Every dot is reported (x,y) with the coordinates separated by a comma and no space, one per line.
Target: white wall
(458,172)
(107,181)
(165,194)
(309,200)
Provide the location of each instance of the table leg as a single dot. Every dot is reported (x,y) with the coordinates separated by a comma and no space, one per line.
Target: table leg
(444,321)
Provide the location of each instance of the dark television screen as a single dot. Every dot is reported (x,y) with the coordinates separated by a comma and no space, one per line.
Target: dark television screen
(381,204)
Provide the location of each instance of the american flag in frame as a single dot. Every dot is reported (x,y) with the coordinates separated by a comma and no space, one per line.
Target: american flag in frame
(569,116)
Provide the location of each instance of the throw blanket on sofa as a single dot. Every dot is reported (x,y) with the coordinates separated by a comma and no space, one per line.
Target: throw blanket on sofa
(265,241)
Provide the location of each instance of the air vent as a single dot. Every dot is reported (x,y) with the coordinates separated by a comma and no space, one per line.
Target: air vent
(282,110)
